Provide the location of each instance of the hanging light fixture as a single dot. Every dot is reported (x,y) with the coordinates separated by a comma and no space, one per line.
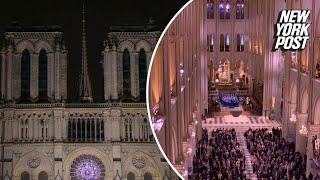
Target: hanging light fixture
(181,70)
(293,118)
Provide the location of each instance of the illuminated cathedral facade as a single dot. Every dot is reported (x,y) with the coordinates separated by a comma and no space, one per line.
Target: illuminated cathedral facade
(44,136)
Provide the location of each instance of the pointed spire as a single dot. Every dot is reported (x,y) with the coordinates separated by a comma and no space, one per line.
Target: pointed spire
(85,94)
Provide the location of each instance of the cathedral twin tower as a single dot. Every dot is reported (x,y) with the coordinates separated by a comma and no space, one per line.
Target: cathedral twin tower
(35,63)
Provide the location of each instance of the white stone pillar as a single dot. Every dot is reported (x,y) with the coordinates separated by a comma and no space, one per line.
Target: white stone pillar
(34,76)
(301,141)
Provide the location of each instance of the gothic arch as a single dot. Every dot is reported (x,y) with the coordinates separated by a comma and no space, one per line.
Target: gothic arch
(22,165)
(43,44)
(150,165)
(126,45)
(293,93)
(143,44)
(103,157)
(304,101)
(24,44)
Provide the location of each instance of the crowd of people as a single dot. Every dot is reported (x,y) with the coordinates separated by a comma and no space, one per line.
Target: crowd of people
(218,156)
(273,157)
(229,100)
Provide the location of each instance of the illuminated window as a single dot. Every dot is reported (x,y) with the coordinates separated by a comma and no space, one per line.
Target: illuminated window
(240,42)
(210,42)
(210,9)
(227,42)
(87,167)
(240,9)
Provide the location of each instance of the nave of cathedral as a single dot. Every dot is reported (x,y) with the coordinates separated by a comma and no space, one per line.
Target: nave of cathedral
(223,105)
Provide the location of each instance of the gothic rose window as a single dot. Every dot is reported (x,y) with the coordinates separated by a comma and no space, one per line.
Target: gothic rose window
(87,167)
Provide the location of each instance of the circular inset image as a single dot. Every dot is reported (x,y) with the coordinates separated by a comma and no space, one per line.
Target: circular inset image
(224,103)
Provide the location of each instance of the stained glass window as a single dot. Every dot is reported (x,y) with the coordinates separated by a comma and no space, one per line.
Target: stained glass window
(126,74)
(210,9)
(25,75)
(87,167)
(240,9)
(227,42)
(43,75)
(142,74)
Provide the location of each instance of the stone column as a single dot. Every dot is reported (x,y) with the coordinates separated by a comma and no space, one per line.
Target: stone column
(64,75)
(114,76)
(134,72)
(50,74)
(107,73)
(34,76)
(291,126)
(115,124)
(57,94)
(313,130)
(301,141)
(107,126)
(17,76)
(9,73)
(3,73)
(59,118)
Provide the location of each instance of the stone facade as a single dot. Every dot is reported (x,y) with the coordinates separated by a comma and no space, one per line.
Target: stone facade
(59,140)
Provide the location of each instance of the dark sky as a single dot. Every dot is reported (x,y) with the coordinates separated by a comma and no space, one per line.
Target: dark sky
(100,15)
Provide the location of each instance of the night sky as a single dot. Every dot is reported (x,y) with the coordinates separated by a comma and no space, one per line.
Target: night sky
(99,16)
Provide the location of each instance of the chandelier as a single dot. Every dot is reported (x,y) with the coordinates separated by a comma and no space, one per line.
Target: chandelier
(293,118)
(303,131)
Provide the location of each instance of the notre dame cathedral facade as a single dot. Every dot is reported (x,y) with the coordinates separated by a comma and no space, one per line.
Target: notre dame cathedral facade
(45,136)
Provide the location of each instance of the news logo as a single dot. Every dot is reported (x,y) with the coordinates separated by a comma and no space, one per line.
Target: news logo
(291,30)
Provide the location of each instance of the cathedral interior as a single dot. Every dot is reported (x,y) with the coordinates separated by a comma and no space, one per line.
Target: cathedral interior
(45,136)
(223,105)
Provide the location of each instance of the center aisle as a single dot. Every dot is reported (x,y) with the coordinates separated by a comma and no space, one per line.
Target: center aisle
(243,145)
